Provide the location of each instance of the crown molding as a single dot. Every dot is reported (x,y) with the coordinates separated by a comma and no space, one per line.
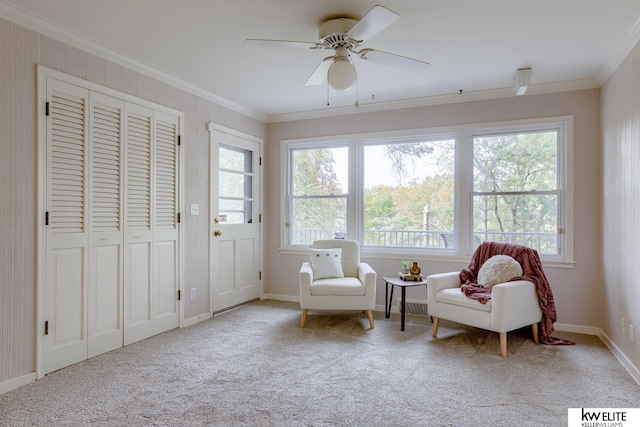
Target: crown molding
(622,50)
(54,31)
(480,95)
(49,29)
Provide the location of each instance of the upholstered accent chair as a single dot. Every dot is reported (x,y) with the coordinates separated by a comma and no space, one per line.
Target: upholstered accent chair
(503,306)
(335,279)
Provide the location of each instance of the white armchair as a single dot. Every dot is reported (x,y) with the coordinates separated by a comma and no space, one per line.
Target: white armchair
(511,305)
(355,291)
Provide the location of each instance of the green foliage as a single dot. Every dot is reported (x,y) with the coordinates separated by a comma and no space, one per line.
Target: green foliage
(315,178)
(513,163)
(423,198)
(314,173)
(403,208)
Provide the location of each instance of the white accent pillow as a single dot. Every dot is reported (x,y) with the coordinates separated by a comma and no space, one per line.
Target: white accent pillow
(498,269)
(326,263)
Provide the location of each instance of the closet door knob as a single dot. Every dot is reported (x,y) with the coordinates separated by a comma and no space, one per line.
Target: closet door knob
(217,233)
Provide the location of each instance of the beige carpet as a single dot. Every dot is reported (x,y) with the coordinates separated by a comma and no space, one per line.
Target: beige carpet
(254,366)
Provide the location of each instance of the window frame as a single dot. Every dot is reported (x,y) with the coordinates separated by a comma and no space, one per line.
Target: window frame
(287,150)
(463,215)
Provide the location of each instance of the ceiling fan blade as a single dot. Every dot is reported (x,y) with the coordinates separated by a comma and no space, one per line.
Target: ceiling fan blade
(281,43)
(393,60)
(376,20)
(319,75)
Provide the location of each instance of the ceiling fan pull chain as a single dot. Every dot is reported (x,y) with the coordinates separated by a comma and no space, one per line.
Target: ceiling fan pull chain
(328,103)
(357,104)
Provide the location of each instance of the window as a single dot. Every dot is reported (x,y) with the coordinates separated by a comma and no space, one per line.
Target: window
(516,190)
(318,194)
(434,192)
(408,198)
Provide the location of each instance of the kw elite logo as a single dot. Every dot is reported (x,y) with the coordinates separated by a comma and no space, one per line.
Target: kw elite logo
(604,417)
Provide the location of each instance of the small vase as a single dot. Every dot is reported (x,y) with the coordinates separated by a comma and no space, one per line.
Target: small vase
(404,270)
(415,268)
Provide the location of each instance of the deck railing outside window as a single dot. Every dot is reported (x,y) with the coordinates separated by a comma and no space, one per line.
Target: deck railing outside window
(435,239)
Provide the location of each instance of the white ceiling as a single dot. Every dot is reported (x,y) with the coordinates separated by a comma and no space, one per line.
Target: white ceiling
(473,46)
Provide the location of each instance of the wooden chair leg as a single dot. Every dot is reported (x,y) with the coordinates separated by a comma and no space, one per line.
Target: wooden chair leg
(304,317)
(436,323)
(370,315)
(534,328)
(503,344)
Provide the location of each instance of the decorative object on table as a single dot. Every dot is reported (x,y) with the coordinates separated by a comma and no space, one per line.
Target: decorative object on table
(412,277)
(410,271)
(415,269)
(405,267)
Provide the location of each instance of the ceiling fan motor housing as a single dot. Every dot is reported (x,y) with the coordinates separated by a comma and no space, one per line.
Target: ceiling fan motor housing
(333,33)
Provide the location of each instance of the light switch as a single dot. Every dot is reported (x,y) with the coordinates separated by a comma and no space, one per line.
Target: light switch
(195,210)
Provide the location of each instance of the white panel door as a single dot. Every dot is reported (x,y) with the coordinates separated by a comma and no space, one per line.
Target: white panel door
(138,235)
(105,315)
(235,223)
(67,230)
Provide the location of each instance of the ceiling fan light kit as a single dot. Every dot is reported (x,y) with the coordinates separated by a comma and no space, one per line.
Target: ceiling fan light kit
(345,36)
(342,73)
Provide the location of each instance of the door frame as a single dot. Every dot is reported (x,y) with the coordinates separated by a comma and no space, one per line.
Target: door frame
(211,127)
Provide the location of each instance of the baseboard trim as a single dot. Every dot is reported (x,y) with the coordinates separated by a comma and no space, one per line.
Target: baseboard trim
(278,297)
(592,330)
(195,320)
(622,358)
(17,382)
(587,330)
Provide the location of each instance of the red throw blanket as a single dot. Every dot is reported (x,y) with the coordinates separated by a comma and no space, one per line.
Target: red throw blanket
(531,271)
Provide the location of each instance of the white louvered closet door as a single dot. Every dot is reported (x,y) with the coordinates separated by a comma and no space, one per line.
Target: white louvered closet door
(165,195)
(138,236)
(105,302)
(67,234)
(151,230)
(111,244)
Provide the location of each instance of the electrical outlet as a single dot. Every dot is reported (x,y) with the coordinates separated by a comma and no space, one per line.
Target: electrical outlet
(193,294)
(631,337)
(623,326)
(195,210)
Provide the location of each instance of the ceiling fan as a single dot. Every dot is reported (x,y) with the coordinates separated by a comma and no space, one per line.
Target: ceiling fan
(345,36)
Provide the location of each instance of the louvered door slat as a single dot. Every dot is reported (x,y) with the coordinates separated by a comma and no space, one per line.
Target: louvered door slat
(165,157)
(68,151)
(106,161)
(138,214)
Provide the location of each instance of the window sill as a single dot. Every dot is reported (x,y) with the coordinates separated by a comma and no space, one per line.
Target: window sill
(425,256)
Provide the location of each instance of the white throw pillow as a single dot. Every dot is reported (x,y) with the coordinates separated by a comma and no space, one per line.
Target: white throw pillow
(498,269)
(326,263)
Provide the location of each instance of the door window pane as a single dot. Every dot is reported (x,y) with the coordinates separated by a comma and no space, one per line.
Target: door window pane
(235,180)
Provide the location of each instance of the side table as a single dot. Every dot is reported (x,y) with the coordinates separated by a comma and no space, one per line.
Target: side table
(403,284)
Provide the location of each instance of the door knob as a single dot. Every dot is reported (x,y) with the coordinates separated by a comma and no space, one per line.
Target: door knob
(217,233)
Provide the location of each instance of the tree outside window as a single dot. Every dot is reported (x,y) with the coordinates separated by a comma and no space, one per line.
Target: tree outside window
(419,192)
(408,193)
(318,200)
(515,189)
